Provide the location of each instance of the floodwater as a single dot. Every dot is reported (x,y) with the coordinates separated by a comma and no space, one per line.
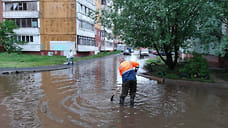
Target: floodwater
(79,97)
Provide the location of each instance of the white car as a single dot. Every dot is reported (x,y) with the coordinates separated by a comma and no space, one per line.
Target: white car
(144,52)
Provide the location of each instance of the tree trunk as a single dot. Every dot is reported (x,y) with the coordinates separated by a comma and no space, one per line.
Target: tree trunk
(169,61)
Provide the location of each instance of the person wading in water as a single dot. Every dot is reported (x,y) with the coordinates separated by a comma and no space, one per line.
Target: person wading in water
(129,82)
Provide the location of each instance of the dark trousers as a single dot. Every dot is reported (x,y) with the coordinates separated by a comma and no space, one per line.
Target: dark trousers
(129,85)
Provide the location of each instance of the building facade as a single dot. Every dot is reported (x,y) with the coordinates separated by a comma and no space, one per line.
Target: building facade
(107,38)
(53,27)
(57,26)
(26,16)
(85,27)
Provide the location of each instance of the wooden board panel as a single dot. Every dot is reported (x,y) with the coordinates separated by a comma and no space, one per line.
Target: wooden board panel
(52,9)
(58,26)
(57,21)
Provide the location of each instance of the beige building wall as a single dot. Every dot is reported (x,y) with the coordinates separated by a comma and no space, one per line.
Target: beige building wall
(57,21)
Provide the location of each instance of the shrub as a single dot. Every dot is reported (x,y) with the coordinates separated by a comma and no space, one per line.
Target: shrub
(197,67)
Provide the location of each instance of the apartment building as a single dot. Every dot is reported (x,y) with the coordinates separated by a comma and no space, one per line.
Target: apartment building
(86,44)
(53,27)
(107,38)
(26,15)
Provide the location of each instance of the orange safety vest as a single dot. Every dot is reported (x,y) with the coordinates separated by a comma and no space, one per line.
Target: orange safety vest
(126,70)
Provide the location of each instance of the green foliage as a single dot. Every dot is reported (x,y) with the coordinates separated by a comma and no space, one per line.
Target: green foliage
(163,24)
(8,38)
(182,71)
(196,67)
(223,47)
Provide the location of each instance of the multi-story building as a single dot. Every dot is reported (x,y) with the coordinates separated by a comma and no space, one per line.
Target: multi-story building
(85,27)
(52,27)
(107,37)
(26,15)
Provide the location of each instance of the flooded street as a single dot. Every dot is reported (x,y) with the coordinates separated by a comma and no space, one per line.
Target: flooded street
(79,97)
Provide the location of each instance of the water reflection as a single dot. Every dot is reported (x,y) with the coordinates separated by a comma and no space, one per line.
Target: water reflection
(23,98)
(80,97)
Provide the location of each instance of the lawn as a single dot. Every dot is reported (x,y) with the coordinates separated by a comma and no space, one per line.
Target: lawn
(157,68)
(15,60)
(27,60)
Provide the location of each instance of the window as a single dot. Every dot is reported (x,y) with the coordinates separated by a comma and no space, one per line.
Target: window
(85,10)
(86,25)
(82,40)
(24,6)
(23,22)
(34,23)
(31,38)
(18,23)
(25,38)
(21,6)
(26,22)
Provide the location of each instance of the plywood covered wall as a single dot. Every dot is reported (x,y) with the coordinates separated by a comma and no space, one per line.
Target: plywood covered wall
(57,21)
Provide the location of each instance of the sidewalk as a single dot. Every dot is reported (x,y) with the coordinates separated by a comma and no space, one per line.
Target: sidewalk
(33,69)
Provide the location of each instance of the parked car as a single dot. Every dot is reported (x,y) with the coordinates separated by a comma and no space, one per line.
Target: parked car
(144,52)
(127,52)
(161,52)
(154,52)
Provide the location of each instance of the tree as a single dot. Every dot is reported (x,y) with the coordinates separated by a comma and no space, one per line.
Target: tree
(8,38)
(166,25)
(223,47)
(222,16)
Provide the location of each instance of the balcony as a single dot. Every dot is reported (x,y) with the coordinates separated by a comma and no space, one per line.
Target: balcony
(31,47)
(20,14)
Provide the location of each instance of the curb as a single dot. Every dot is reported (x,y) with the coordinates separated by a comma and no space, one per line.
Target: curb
(6,71)
(158,79)
(185,82)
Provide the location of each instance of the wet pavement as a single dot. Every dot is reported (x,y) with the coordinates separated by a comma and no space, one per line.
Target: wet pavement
(80,97)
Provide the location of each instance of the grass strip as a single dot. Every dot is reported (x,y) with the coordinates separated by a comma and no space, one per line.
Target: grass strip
(19,60)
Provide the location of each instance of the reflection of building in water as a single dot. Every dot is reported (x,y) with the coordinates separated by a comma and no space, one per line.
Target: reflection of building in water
(114,65)
(98,71)
(110,72)
(57,86)
(71,95)
(101,73)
